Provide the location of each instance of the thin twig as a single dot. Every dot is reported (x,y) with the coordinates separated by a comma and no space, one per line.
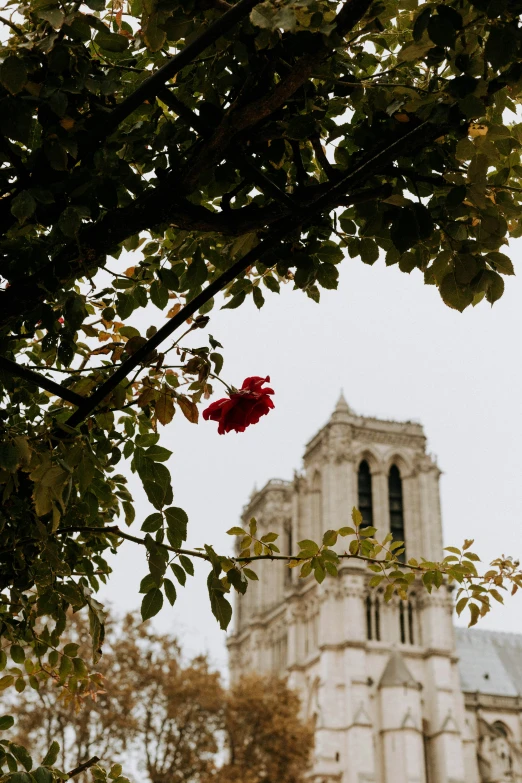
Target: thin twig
(82,767)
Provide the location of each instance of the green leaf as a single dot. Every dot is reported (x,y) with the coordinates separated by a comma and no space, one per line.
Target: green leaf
(42,775)
(441,31)
(151,603)
(258,297)
(17,653)
(6,682)
(250,574)
(152,523)
(177,521)
(159,295)
(170,590)
(52,14)
(269,537)
(158,453)
(461,605)
(236,301)
(453,295)
(501,262)
(369,250)
(13,74)
(6,721)
(330,538)
(71,650)
(179,573)
(236,531)
(330,253)
(475,614)
(21,754)
(111,42)
(501,45)
(23,206)
(221,608)
(154,34)
(197,272)
(328,276)
(308,544)
(187,564)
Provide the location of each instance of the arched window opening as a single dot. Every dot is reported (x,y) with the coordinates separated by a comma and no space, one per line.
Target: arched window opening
(368,617)
(396,507)
(501,729)
(377,616)
(364,487)
(317,504)
(410,623)
(402,623)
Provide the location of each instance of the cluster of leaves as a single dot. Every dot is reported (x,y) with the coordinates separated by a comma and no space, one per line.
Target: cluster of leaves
(387,560)
(17,766)
(173,717)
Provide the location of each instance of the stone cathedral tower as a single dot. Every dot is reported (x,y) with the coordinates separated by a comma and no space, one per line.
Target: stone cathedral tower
(380,682)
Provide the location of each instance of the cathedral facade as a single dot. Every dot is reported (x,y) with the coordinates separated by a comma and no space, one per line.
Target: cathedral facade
(395,692)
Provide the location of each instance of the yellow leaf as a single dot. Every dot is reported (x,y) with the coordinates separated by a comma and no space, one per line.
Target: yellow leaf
(67,123)
(189,409)
(401,117)
(130,271)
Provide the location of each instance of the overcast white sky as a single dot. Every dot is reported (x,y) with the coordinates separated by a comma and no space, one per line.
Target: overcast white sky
(398,352)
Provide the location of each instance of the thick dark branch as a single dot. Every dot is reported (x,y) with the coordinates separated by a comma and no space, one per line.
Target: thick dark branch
(154,208)
(238,119)
(19,371)
(149,88)
(243,161)
(323,161)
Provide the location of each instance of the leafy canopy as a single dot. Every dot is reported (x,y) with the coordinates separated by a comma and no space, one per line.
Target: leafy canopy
(227,148)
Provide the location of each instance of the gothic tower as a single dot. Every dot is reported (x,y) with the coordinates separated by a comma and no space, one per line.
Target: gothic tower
(380,681)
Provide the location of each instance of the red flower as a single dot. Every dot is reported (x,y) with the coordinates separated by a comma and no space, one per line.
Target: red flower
(242,407)
(61,320)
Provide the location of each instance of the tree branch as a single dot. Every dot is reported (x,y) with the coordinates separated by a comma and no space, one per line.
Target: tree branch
(82,767)
(149,88)
(19,371)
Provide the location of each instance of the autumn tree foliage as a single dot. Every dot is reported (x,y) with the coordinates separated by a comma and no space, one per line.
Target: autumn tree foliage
(179,157)
(174,719)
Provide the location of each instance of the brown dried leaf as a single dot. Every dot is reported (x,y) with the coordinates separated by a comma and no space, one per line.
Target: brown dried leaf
(174,310)
(190,410)
(165,406)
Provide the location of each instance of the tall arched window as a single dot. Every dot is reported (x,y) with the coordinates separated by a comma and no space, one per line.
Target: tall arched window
(369,634)
(377,616)
(402,624)
(317,505)
(364,487)
(396,507)
(410,623)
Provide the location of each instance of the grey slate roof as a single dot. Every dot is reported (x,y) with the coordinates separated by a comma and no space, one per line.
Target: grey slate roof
(490,662)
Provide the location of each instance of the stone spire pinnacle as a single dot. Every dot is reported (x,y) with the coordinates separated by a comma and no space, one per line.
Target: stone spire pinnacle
(342,405)
(342,410)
